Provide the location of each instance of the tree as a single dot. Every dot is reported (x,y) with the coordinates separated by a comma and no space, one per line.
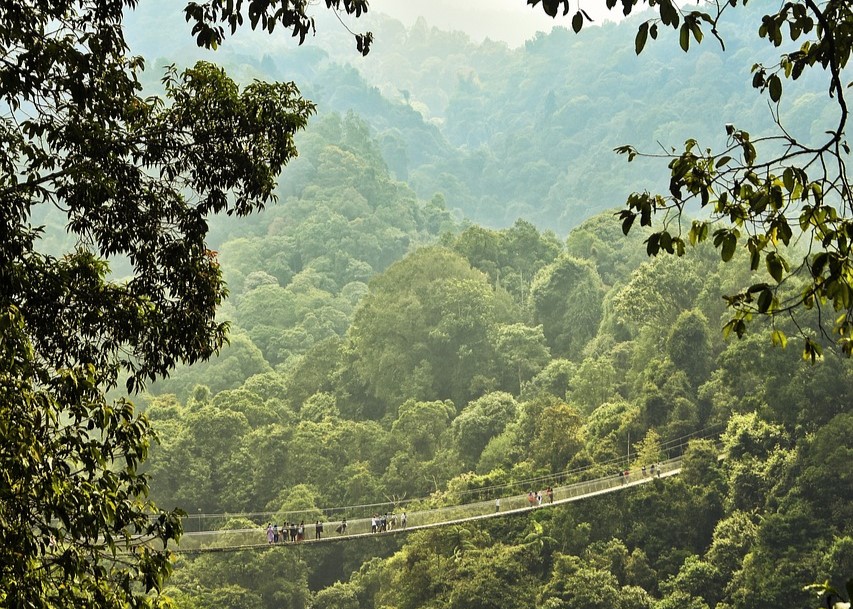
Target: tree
(648,450)
(423,330)
(55,470)
(294,16)
(420,425)
(522,350)
(771,188)
(134,180)
(558,436)
(480,421)
(689,346)
(567,301)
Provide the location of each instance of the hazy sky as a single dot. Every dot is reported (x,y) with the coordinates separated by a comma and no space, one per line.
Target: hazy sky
(512,21)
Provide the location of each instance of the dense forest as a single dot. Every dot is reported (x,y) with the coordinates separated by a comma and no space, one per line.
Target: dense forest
(442,300)
(353,377)
(383,347)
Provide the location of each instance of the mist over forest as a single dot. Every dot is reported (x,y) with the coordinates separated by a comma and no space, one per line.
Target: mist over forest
(444,302)
(505,133)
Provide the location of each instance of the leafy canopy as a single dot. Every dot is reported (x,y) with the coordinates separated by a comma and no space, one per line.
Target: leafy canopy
(762,193)
(134,180)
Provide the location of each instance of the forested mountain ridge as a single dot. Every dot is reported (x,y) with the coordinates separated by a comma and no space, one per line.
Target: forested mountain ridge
(529,132)
(364,366)
(421,356)
(377,345)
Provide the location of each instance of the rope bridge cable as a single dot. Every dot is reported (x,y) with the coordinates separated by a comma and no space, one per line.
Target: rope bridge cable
(672,447)
(255,538)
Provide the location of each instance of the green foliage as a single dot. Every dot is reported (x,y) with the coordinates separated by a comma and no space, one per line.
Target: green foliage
(600,240)
(689,346)
(480,421)
(507,582)
(825,479)
(66,446)
(557,437)
(134,180)
(511,257)
(423,330)
(210,20)
(648,450)
(567,300)
(587,587)
(420,425)
(657,293)
(554,379)
(245,579)
(767,187)
(521,349)
(593,383)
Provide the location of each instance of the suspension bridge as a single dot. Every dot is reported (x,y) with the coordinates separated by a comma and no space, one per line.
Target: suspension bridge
(359,528)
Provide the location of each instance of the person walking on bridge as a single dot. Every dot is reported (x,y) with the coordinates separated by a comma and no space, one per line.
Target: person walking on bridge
(318,530)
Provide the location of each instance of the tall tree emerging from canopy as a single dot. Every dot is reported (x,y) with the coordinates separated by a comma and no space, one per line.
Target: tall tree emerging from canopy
(135,179)
(763,192)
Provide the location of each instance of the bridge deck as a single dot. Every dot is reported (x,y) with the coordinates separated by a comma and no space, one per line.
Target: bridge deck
(359,528)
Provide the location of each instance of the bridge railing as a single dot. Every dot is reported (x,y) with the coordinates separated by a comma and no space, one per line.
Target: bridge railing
(434,517)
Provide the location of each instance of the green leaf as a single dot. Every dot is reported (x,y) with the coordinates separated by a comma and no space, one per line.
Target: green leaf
(642,37)
(577,22)
(729,247)
(696,30)
(775,85)
(788,179)
(754,260)
(765,301)
(819,263)
(628,221)
(653,244)
(779,339)
(684,37)
(811,350)
(551,7)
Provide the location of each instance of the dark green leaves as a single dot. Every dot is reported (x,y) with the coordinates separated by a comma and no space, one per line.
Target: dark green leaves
(266,16)
(775,86)
(726,240)
(664,241)
(669,13)
(69,509)
(552,7)
(577,22)
(684,38)
(137,180)
(776,266)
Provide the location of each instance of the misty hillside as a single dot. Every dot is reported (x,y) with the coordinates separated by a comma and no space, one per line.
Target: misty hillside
(512,133)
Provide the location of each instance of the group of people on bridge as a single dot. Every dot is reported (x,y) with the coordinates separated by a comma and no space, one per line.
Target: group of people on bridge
(653,470)
(533,498)
(380,523)
(294,533)
(386,522)
(290,531)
